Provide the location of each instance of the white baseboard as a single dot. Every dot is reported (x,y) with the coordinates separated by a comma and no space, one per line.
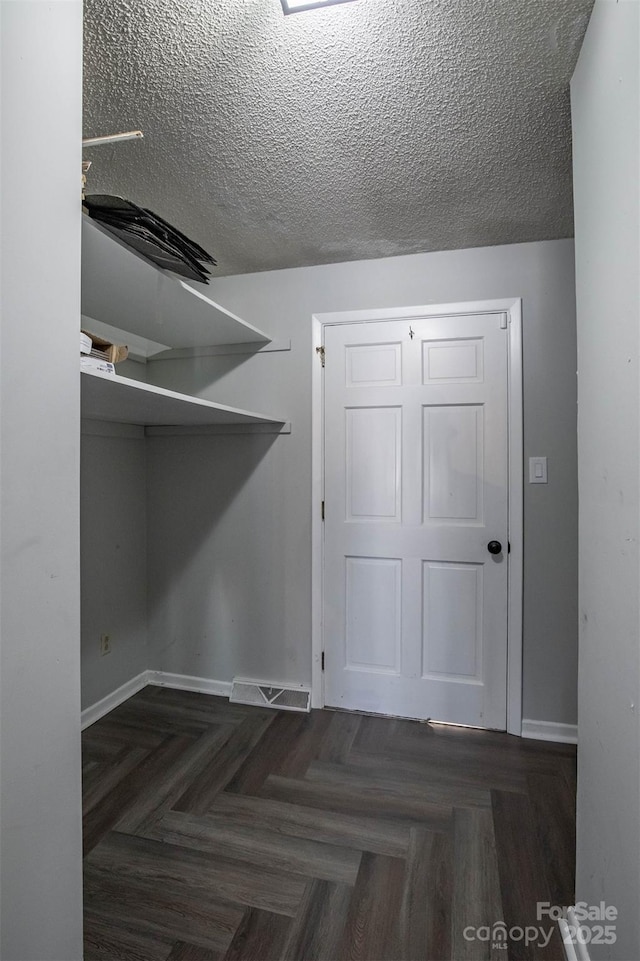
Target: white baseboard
(106,704)
(574,950)
(550,731)
(181,682)
(567,941)
(537,730)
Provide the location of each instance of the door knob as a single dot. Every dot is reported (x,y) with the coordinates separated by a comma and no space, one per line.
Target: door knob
(494,547)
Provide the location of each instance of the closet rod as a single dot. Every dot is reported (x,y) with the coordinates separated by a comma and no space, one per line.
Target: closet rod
(113,138)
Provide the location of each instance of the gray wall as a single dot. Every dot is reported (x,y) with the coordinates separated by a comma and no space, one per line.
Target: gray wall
(232,594)
(606,111)
(40,801)
(113,525)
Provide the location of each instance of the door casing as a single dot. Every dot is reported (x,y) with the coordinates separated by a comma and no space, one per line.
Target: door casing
(513,309)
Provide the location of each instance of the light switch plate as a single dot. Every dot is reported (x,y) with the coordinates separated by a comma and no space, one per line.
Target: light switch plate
(537,470)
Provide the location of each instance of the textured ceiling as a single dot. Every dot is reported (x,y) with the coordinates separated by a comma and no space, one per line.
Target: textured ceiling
(363,130)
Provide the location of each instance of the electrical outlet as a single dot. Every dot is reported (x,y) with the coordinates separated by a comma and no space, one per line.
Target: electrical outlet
(105,644)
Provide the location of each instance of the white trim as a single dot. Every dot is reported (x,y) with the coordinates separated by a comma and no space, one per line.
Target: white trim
(567,941)
(93,713)
(575,950)
(184,682)
(513,307)
(549,731)
(516,521)
(317,496)
(416,313)
(179,682)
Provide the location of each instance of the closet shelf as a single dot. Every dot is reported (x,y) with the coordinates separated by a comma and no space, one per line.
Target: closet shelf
(122,289)
(121,400)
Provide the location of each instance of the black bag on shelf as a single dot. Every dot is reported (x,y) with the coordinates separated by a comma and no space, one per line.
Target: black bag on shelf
(150,236)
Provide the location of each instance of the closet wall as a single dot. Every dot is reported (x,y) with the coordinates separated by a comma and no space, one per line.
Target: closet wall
(40,767)
(605,97)
(113,524)
(230,517)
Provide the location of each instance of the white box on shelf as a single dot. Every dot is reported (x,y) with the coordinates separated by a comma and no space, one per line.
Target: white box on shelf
(94,363)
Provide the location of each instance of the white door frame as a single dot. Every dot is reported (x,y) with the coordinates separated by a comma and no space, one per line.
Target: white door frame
(512,307)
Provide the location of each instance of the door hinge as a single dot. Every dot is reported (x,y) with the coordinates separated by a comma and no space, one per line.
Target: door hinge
(322,661)
(323,510)
(320,353)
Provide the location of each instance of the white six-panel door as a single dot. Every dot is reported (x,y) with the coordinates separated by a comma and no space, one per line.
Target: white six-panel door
(415,606)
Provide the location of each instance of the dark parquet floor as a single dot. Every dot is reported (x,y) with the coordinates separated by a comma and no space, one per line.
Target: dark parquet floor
(215,832)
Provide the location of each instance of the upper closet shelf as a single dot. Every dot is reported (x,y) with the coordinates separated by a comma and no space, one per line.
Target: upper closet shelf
(122,289)
(124,401)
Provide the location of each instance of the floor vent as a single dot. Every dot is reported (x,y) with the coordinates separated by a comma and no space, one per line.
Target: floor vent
(270,695)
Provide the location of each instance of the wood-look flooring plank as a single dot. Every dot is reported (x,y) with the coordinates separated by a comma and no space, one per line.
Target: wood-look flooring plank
(317,931)
(404,726)
(128,735)
(476,886)
(199,796)
(221,832)
(398,789)
(523,880)
(158,718)
(502,758)
(426,738)
(341,798)
(213,709)
(425,925)
(93,772)
(373,926)
(306,745)
(124,857)
(101,746)
(546,757)
(373,733)
(183,951)
(199,710)
(378,835)
(255,846)
(438,731)
(90,770)
(339,737)
(269,753)
(162,908)
(454,776)
(260,937)
(96,788)
(546,750)
(554,809)
(448,749)
(569,768)
(108,938)
(155,798)
(107,813)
